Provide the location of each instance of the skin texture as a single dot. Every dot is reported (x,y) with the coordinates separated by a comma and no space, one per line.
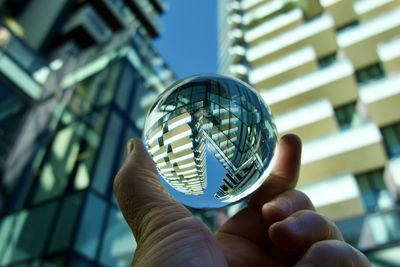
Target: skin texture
(279,227)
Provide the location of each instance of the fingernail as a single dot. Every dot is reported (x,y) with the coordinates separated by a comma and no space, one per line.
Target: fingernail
(130,147)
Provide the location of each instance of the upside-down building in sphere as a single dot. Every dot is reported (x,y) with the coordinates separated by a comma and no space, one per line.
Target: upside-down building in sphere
(330,72)
(76,80)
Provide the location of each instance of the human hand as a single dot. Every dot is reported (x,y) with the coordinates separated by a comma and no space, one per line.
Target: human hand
(279,226)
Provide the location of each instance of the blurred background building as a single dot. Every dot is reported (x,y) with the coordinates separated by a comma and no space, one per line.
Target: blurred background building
(330,71)
(76,78)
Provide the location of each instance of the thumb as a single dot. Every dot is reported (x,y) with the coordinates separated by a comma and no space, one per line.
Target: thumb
(143,201)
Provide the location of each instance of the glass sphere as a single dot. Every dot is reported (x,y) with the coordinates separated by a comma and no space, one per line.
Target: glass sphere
(212,138)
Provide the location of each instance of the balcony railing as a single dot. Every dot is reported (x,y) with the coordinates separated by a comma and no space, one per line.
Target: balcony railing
(309,121)
(336,197)
(367,9)
(318,33)
(382,99)
(300,62)
(360,42)
(335,82)
(389,55)
(274,26)
(356,150)
(342,11)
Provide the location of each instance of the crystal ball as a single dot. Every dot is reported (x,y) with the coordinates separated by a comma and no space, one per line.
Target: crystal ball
(212,138)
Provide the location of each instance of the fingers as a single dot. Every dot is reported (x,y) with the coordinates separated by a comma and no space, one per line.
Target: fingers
(284,205)
(333,253)
(142,199)
(302,229)
(285,173)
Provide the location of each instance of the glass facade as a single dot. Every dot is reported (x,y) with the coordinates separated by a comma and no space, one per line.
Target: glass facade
(57,206)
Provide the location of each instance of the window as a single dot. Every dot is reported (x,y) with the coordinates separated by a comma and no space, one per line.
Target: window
(58,165)
(89,233)
(118,240)
(66,222)
(369,73)
(17,243)
(327,60)
(391,138)
(109,149)
(373,191)
(345,115)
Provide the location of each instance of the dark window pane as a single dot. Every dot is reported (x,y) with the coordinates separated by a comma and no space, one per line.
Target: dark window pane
(369,73)
(17,240)
(391,138)
(104,167)
(90,226)
(346,115)
(66,222)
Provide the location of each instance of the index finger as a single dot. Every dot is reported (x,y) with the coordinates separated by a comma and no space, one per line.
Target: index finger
(285,173)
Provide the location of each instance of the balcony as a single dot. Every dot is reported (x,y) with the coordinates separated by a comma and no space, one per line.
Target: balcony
(20,64)
(260,11)
(274,26)
(381,99)
(356,150)
(112,11)
(342,11)
(360,42)
(293,65)
(389,55)
(146,14)
(367,9)
(86,27)
(251,4)
(392,177)
(318,33)
(309,121)
(335,83)
(336,197)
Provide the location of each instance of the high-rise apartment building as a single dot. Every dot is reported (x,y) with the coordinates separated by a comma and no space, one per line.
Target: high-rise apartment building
(76,79)
(330,71)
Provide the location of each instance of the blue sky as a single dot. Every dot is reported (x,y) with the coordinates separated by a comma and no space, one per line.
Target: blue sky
(188,40)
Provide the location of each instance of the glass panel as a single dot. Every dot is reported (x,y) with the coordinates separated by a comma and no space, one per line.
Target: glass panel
(104,168)
(90,227)
(374,191)
(370,73)
(345,115)
(12,113)
(391,138)
(21,244)
(126,80)
(66,223)
(118,244)
(60,163)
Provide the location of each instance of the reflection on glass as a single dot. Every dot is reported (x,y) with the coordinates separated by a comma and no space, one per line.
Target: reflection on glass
(212,139)
(89,232)
(118,244)
(17,241)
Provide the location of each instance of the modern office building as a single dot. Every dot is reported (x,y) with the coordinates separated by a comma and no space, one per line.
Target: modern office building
(76,80)
(330,72)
